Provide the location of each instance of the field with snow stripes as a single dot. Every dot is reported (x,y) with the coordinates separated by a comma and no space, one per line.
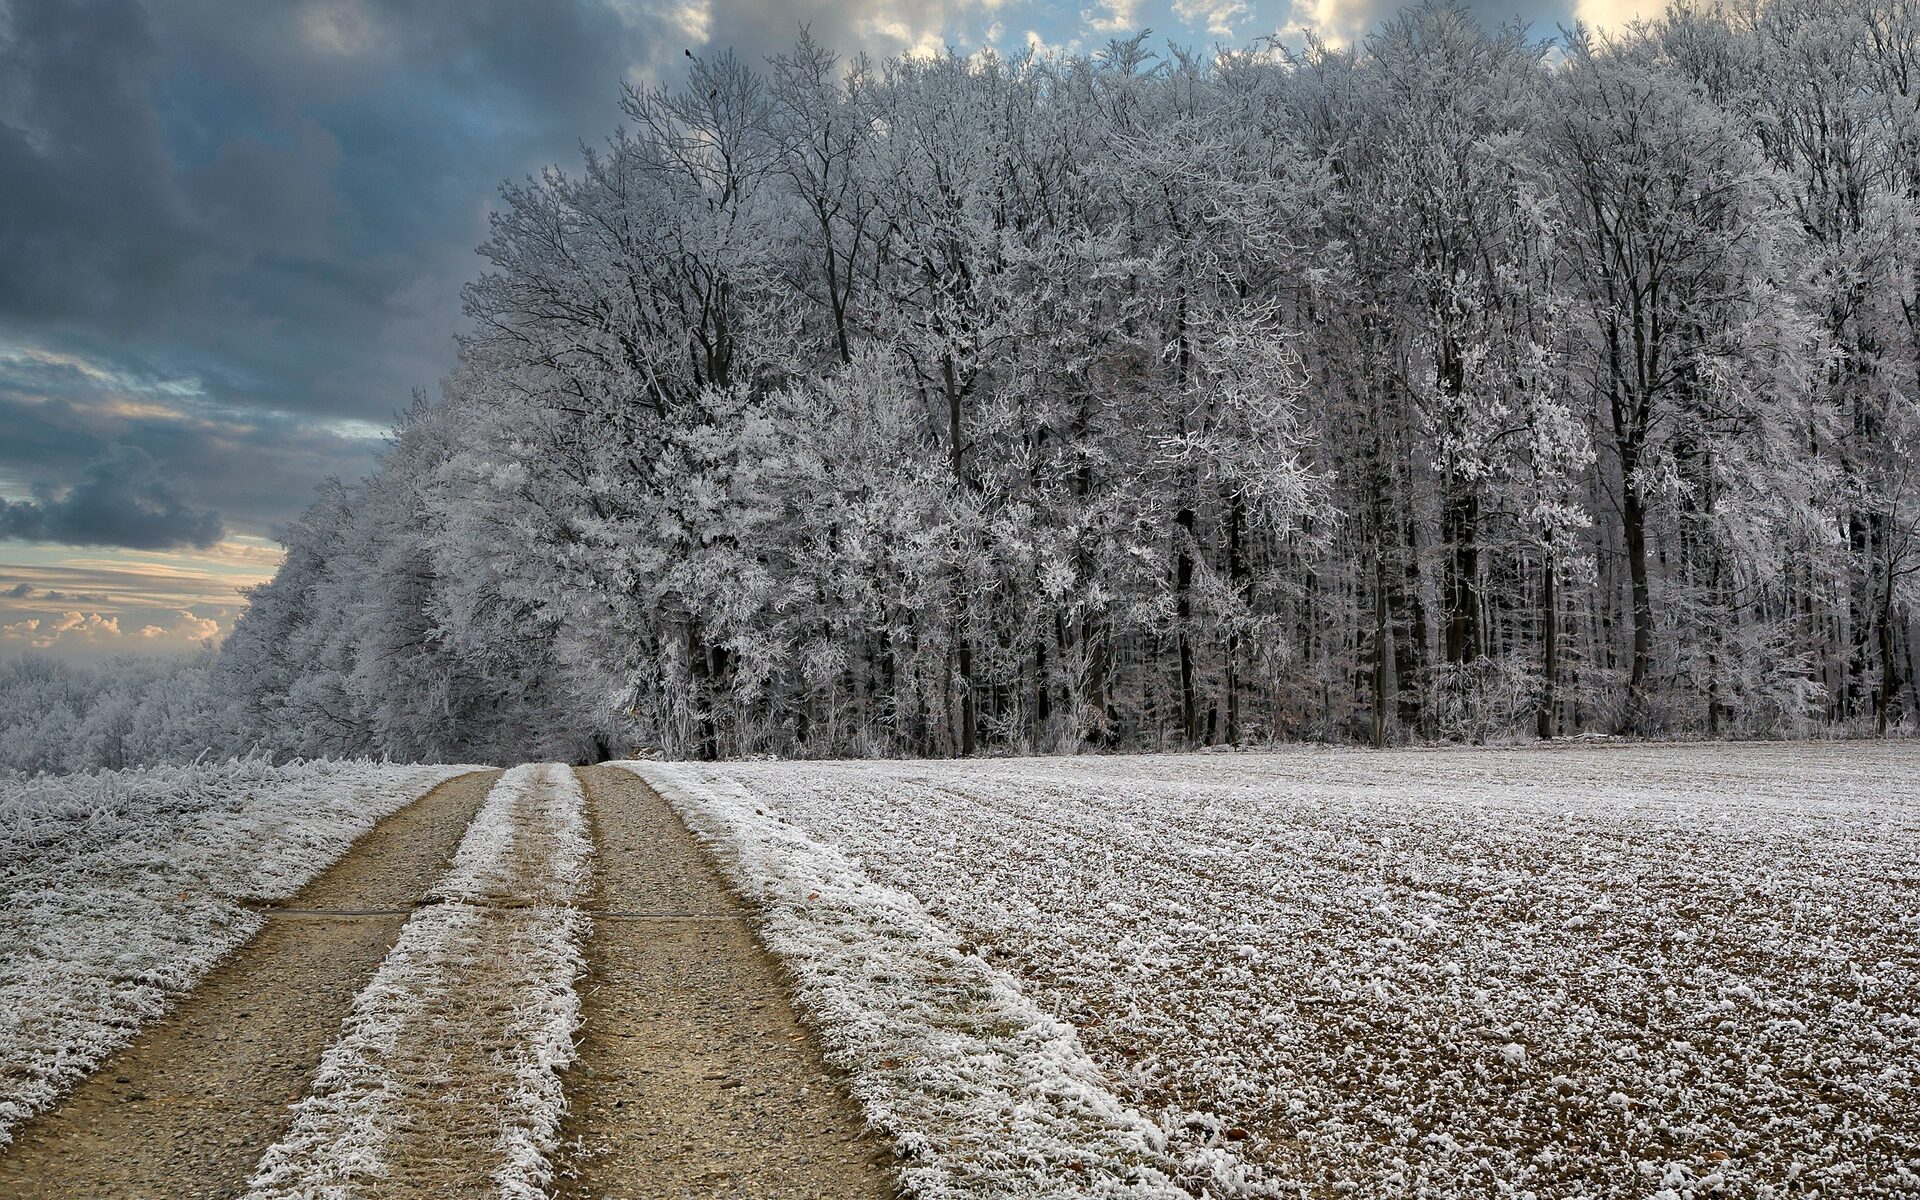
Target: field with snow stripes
(118,890)
(1634,971)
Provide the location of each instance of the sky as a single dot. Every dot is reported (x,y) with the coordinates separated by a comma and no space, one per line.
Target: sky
(233,235)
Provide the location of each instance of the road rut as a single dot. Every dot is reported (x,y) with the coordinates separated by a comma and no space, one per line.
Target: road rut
(443,1083)
(695,1077)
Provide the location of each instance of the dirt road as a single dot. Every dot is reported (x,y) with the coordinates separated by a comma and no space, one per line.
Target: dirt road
(694,1077)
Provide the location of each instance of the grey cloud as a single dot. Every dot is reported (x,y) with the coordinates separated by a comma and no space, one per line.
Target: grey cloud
(121,500)
(91,223)
(24,591)
(206,592)
(258,467)
(278,204)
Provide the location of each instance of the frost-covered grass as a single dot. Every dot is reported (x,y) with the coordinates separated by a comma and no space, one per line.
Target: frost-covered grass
(118,890)
(449,1063)
(1645,971)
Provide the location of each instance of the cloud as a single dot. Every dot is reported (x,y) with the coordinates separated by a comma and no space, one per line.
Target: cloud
(142,581)
(184,626)
(44,633)
(24,591)
(259,217)
(121,500)
(1615,16)
(1040,46)
(60,413)
(94,224)
(1218,17)
(1345,22)
(91,634)
(1112,16)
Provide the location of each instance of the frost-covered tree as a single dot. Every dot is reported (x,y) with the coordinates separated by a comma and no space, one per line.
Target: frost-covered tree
(1444,385)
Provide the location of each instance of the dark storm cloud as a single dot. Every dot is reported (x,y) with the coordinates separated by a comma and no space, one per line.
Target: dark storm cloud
(278,212)
(233,234)
(121,500)
(258,462)
(92,224)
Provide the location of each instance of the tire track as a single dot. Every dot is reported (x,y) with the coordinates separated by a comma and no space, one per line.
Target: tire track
(444,1081)
(695,1077)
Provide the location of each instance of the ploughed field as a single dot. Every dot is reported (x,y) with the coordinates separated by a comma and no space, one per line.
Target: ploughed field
(1573,971)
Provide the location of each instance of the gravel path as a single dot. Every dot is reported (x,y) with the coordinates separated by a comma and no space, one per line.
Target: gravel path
(187,1108)
(695,1078)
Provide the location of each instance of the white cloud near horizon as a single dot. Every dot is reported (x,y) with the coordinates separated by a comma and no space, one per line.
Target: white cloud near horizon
(90,634)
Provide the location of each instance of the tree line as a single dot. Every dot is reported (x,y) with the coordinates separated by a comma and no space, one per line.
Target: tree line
(1455,384)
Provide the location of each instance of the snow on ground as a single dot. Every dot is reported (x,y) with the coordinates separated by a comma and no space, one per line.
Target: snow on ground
(449,1063)
(120,889)
(982,1094)
(1646,971)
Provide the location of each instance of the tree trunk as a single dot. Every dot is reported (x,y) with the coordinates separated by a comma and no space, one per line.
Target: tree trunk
(1379,650)
(962,634)
(1407,621)
(1889,662)
(1549,647)
(1183,613)
(1633,520)
(1460,518)
(1855,690)
(1042,697)
(1237,573)
(969,713)
(700,667)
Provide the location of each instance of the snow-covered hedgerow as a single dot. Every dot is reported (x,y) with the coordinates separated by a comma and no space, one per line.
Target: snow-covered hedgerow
(1658,972)
(984,1096)
(120,889)
(449,1063)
